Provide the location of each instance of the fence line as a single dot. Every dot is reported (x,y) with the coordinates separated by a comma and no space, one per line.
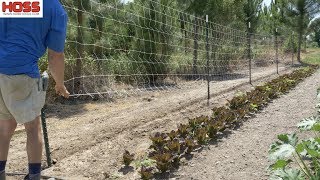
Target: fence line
(116,49)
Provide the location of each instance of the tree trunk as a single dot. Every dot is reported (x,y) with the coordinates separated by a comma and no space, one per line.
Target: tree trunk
(99,49)
(292,49)
(78,69)
(300,37)
(184,32)
(153,64)
(185,41)
(305,44)
(299,46)
(196,46)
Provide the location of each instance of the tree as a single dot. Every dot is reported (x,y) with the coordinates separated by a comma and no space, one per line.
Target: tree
(251,10)
(315,28)
(197,8)
(96,21)
(78,17)
(225,13)
(301,13)
(154,37)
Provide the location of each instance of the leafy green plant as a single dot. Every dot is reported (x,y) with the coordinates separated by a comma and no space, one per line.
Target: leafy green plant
(223,114)
(269,90)
(242,112)
(305,154)
(254,107)
(198,122)
(258,99)
(146,162)
(239,101)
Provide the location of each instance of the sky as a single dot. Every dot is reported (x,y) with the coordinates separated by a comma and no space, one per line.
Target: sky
(125,1)
(267,2)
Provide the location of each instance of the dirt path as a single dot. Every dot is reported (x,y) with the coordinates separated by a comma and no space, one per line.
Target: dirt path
(88,140)
(243,154)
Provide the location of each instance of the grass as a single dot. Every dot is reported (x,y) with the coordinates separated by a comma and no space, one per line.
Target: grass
(312,56)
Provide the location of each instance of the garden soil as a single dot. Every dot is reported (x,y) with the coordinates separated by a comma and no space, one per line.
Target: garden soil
(88,139)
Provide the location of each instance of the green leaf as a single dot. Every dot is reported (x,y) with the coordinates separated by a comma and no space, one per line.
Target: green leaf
(315,177)
(288,174)
(307,124)
(283,148)
(291,139)
(313,153)
(312,147)
(316,166)
(309,148)
(280,164)
(317,140)
(316,127)
(300,147)
(281,151)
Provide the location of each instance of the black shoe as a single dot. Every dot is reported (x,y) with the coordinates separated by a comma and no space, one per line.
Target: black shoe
(26,177)
(2,175)
(32,177)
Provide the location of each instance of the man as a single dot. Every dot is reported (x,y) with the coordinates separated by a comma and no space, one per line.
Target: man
(22,42)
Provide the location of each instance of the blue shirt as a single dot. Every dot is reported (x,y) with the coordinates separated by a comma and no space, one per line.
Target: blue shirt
(24,40)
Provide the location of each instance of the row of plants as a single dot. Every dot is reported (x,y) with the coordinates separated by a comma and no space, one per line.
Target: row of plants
(294,159)
(168,149)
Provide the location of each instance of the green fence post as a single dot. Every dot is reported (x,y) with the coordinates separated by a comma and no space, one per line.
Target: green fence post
(45,137)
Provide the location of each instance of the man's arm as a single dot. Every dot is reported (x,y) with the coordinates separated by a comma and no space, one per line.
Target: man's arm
(56,68)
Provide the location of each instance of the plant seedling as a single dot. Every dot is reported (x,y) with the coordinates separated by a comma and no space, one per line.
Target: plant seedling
(183,130)
(201,136)
(127,158)
(190,145)
(174,146)
(146,173)
(173,135)
(158,141)
(163,161)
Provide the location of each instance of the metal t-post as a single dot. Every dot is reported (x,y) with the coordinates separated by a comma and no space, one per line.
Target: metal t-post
(277,55)
(249,52)
(208,57)
(45,137)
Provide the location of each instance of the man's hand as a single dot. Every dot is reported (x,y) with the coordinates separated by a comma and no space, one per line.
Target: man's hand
(62,90)
(56,68)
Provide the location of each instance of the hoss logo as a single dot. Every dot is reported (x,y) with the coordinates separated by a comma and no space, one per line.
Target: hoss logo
(21,8)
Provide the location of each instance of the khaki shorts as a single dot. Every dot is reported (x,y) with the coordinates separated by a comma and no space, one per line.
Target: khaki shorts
(20,98)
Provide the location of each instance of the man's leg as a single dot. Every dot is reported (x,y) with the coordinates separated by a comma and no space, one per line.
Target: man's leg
(7,128)
(34,147)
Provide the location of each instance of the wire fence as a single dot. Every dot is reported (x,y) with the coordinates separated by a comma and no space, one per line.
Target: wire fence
(116,49)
